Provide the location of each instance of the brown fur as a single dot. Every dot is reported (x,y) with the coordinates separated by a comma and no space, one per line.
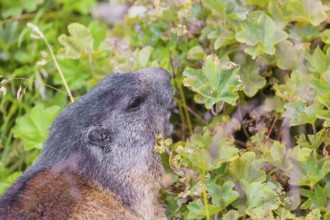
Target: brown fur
(66,195)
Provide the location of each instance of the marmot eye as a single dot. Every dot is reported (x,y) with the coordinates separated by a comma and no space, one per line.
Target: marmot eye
(134,103)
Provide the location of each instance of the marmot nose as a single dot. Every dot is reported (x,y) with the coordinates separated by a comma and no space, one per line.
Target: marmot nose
(157,75)
(160,84)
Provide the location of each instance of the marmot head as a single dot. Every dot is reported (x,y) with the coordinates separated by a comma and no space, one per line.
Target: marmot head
(110,131)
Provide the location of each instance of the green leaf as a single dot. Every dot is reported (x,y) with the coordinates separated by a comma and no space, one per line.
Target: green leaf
(215,83)
(319,62)
(293,111)
(78,43)
(307,11)
(311,171)
(7,181)
(300,114)
(318,197)
(98,31)
(276,155)
(227,9)
(309,115)
(248,168)
(262,34)
(315,214)
(196,53)
(14,8)
(327,215)
(324,99)
(231,215)
(222,37)
(290,56)
(32,128)
(284,214)
(261,197)
(217,7)
(326,36)
(83,7)
(144,55)
(207,152)
(222,195)
(325,115)
(300,153)
(260,3)
(76,73)
(298,87)
(197,210)
(304,33)
(251,80)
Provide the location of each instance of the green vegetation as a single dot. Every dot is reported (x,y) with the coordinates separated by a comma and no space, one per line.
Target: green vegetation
(252,81)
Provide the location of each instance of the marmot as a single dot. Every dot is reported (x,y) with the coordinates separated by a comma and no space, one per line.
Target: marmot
(98,160)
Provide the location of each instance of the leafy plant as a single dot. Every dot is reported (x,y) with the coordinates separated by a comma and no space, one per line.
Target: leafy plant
(252,77)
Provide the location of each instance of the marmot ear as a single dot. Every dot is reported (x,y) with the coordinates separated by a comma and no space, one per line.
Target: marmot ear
(98,136)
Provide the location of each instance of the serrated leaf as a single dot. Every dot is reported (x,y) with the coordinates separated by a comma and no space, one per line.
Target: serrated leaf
(248,168)
(251,80)
(79,42)
(290,56)
(304,33)
(311,171)
(300,153)
(325,115)
(284,214)
(261,197)
(317,197)
(298,87)
(197,209)
(216,83)
(299,113)
(223,38)
(326,36)
(320,85)
(262,34)
(33,127)
(315,214)
(276,155)
(308,11)
(293,111)
(308,116)
(229,9)
(217,7)
(319,62)
(207,152)
(222,195)
(231,215)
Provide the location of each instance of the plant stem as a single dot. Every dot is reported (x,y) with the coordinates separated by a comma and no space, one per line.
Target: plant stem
(205,197)
(185,110)
(42,36)
(191,111)
(59,70)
